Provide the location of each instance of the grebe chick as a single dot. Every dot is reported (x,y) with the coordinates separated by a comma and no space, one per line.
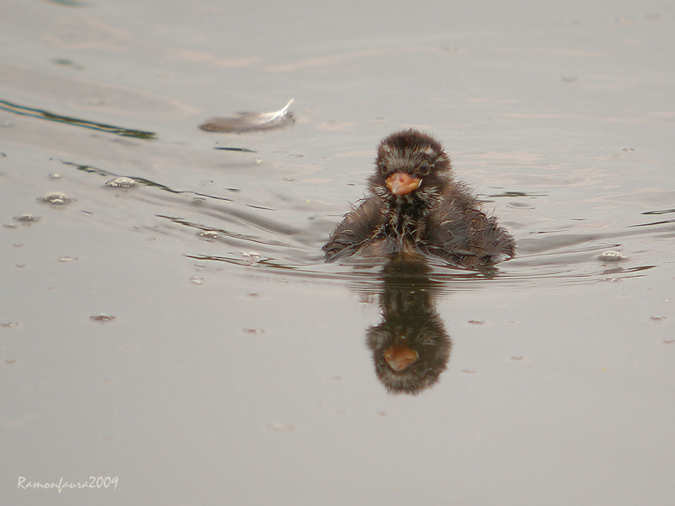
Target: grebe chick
(416,207)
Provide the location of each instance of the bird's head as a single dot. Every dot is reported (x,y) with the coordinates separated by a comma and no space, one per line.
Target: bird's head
(409,164)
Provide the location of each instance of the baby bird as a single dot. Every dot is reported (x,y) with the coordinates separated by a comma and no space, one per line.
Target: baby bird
(416,207)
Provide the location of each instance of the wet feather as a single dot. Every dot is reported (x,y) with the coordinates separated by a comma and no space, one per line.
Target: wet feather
(250,121)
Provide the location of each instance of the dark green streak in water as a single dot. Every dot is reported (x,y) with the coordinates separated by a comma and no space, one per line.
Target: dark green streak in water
(266,262)
(102,127)
(69,3)
(142,181)
(660,211)
(514,194)
(242,150)
(204,228)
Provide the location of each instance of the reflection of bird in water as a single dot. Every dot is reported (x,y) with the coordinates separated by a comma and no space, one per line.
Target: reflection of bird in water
(410,347)
(416,206)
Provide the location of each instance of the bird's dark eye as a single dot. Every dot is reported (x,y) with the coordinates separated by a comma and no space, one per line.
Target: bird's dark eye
(424,168)
(383,168)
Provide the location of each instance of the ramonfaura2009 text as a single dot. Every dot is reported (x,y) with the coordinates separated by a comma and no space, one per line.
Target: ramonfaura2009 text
(92,482)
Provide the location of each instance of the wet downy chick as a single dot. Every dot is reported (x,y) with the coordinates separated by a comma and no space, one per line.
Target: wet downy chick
(416,206)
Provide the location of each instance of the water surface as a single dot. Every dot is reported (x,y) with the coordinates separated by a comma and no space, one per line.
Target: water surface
(236,368)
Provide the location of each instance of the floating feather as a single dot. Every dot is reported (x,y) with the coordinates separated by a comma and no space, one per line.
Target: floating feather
(250,121)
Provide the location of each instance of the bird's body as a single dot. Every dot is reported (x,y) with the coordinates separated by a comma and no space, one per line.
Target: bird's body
(416,206)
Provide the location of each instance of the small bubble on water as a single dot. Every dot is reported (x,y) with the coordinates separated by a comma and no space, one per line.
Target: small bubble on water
(121,182)
(520,205)
(9,325)
(56,199)
(103,318)
(68,259)
(197,281)
(209,235)
(610,256)
(27,219)
(54,176)
(252,257)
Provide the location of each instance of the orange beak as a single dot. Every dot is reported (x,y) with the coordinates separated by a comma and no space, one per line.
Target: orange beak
(400,183)
(400,357)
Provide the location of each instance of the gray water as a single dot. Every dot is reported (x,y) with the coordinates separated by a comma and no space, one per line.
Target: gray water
(233,366)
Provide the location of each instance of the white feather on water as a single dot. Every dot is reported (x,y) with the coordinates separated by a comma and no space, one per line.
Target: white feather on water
(250,121)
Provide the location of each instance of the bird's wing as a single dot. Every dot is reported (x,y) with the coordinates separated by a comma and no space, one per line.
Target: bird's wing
(356,228)
(466,236)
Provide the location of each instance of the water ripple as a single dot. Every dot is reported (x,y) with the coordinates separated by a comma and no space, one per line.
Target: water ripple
(285,240)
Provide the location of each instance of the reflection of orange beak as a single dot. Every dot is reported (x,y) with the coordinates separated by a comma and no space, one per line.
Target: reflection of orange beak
(400,357)
(400,183)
